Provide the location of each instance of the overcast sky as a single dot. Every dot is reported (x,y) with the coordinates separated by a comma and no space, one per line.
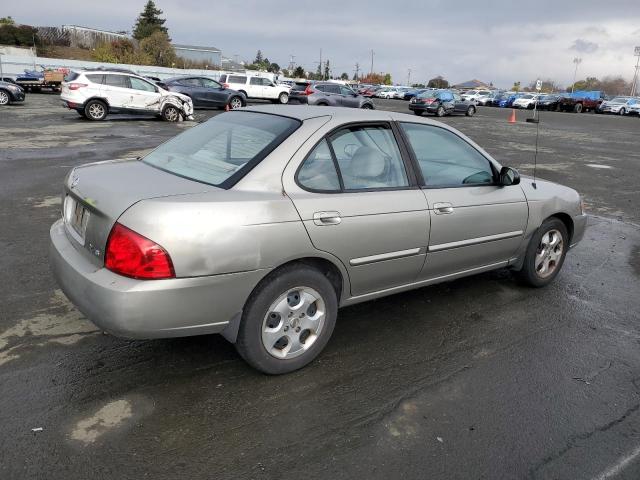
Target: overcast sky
(494,41)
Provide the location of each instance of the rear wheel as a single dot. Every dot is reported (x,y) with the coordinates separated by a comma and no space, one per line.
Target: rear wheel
(471,111)
(545,254)
(322,104)
(171,113)
(440,111)
(4,97)
(418,112)
(622,111)
(367,106)
(287,320)
(577,108)
(95,110)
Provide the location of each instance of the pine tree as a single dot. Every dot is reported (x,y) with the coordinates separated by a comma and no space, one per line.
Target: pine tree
(259,58)
(149,22)
(327,71)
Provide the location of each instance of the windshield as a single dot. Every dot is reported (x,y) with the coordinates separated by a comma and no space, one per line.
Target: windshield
(527,96)
(220,151)
(472,92)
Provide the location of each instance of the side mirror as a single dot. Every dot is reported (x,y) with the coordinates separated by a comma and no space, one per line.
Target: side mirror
(509,176)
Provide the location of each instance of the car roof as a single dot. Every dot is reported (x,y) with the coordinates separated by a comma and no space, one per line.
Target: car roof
(306,112)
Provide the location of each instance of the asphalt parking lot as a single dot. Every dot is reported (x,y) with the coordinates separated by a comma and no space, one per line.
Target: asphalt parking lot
(478,378)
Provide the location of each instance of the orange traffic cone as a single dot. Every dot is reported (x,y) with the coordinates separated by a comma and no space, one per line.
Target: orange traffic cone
(512,118)
(226,107)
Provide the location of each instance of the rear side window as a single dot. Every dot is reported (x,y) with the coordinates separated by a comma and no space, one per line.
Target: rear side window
(236,79)
(93,78)
(220,151)
(366,158)
(445,159)
(332,88)
(117,81)
(71,76)
(318,171)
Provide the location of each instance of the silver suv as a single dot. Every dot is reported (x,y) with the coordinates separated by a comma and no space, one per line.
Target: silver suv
(331,94)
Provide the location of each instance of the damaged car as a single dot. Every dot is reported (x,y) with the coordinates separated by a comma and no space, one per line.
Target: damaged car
(94,94)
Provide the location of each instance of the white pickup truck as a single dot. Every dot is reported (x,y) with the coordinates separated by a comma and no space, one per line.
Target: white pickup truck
(256,87)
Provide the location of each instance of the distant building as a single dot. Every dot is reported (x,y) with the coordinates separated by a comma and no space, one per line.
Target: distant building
(472,85)
(207,55)
(82,37)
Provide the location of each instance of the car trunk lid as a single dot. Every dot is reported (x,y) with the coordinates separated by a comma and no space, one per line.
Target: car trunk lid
(96,195)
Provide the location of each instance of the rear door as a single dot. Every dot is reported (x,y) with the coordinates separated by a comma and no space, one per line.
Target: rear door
(256,87)
(358,202)
(332,91)
(475,222)
(348,98)
(116,90)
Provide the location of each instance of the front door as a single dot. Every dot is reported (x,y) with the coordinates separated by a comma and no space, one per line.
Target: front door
(348,98)
(145,95)
(359,203)
(475,222)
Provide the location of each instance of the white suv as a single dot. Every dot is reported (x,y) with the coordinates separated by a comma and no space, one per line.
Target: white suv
(256,87)
(96,93)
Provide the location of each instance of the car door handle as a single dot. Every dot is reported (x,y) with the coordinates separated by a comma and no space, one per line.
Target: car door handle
(326,218)
(442,208)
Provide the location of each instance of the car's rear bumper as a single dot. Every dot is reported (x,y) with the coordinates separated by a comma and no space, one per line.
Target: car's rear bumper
(421,107)
(147,308)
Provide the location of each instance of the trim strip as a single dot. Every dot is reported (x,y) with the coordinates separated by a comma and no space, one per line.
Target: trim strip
(384,256)
(474,241)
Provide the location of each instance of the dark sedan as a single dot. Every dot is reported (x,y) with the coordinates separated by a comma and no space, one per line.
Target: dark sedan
(330,94)
(441,103)
(550,102)
(205,92)
(10,92)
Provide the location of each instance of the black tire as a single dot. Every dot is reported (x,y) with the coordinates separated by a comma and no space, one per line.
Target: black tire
(322,104)
(235,102)
(440,112)
(471,111)
(171,113)
(249,343)
(5,98)
(528,275)
(367,106)
(81,113)
(622,111)
(418,112)
(283,98)
(577,108)
(96,110)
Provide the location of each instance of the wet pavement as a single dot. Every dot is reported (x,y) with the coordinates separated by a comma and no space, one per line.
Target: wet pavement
(478,378)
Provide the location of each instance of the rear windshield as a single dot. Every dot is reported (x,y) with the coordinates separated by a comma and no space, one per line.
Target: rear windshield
(222,150)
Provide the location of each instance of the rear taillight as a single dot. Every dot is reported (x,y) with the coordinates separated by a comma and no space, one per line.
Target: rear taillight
(76,86)
(130,254)
(428,100)
(308,90)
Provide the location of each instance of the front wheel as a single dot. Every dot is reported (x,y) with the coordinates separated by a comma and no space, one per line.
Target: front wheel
(418,112)
(471,111)
(578,108)
(287,320)
(545,254)
(171,113)
(283,98)
(235,103)
(4,98)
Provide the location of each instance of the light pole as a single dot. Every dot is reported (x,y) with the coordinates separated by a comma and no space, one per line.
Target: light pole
(577,61)
(635,75)
(409,78)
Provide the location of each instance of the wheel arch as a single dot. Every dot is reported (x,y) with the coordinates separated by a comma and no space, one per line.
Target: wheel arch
(567,220)
(335,274)
(95,97)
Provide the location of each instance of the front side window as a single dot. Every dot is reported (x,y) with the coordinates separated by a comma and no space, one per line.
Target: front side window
(138,84)
(220,150)
(445,159)
(346,91)
(190,82)
(256,81)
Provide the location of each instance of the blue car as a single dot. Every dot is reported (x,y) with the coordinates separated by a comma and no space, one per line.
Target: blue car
(414,93)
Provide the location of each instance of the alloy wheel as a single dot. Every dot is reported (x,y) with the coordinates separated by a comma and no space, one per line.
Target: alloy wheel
(4,98)
(293,322)
(235,103)
(549,253)
(96,111)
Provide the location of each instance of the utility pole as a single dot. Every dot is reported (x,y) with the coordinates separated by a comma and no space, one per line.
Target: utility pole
(635,75)
(371,71)
(357,71)
(577,61)
(292,64)
(409,78)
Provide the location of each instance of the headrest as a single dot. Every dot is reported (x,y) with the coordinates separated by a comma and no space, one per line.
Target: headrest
(368,162)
